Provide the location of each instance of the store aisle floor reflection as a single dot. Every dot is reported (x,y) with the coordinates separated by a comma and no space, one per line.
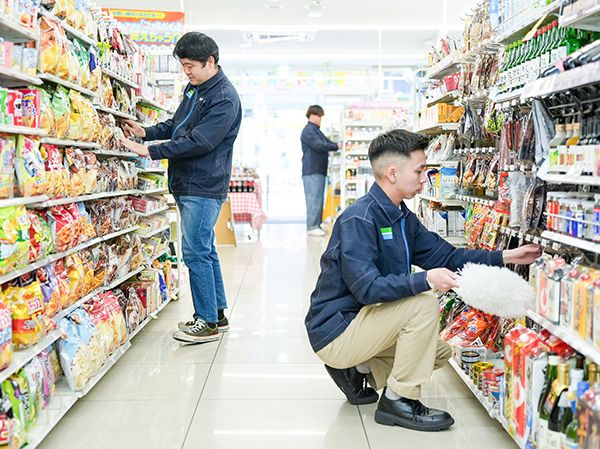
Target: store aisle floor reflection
(260,385)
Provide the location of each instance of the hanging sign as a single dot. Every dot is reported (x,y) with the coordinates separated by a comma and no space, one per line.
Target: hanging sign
(150,27)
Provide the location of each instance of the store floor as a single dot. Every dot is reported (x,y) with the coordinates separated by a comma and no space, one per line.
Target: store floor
(261,385)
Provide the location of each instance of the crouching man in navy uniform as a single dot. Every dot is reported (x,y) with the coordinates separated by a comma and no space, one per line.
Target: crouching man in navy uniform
(373,320)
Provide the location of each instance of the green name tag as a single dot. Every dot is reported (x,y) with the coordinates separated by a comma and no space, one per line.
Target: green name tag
(386,233)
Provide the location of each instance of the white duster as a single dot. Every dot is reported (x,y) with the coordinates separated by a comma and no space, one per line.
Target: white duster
(494,290)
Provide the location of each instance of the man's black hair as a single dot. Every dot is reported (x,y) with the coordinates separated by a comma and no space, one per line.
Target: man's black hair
(197,47)
(315,109)
(398,142)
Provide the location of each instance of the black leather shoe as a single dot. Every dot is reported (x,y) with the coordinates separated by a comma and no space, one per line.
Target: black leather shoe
(354,385)
(411,414)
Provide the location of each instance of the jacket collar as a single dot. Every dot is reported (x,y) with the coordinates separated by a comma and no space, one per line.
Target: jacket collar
(207,85)
(393,212)
(316,126)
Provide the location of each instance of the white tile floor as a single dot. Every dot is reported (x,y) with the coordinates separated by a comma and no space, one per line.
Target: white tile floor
(261,385)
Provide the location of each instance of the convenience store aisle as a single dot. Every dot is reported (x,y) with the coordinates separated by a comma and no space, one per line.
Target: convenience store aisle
(261,385)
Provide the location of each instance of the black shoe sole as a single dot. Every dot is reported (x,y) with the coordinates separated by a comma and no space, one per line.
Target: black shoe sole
(388,419)
(196,340)
(370,399)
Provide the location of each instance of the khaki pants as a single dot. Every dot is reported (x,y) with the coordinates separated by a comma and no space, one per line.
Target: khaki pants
(398,340)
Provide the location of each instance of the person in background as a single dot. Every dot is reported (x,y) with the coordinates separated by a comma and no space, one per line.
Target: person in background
(199,146)
(371,319)
(315,157)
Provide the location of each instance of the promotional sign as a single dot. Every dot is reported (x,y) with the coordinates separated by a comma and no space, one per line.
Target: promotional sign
(150,27)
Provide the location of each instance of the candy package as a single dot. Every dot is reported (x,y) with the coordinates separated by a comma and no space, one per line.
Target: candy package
(7,165)
(40,237)
(6,350)
(31,173)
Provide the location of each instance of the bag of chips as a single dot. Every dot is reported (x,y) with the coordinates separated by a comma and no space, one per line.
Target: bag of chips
(100,262)
(61,224)
(14,238)
(48,381)
(62,278)
(50,46)
(6,350)
(49,284)
(31,173)
(73,210)
(76,273)
(62,111)
(27,307)
(75,131)
(40,237)
(75,162)
(75,357)
(46,112)
(56,173)
(7,165)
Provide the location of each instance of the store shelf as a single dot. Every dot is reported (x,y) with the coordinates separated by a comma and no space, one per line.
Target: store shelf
(359,124)
(115,112)
(444,201)
(119,78)
(568,336)
(152,191)
(440,128)
(24,201)
(21,358)
(114,284)
(62,401)
(572,241)
(578,180)
(508,96)
(13,78)
(520,31)
(108,364)
(8,129)
(484,401)
(69,30)
(571,79)
(155,232)
(154,104)
(583,14)
(15,32)
(54,257)
(68,84)
(446,66)
(154,212)
(446,98)
(70,143)
(474,199)
(77,199)
(117,153)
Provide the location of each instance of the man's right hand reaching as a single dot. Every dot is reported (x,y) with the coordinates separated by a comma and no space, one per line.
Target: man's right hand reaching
(442,279)
(134,128)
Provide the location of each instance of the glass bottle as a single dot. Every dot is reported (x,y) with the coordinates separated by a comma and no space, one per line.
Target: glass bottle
(558,139)
(543,414)
(556,406)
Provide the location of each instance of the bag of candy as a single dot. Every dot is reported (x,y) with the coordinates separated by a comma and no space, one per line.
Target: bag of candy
(31,173)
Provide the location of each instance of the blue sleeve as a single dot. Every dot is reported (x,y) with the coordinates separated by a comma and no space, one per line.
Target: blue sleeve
(161,131)
(202,139)
(316,141)
(432,251)
(358,254)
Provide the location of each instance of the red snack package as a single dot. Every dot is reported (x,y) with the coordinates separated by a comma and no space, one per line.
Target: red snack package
(30,108)
(61,223)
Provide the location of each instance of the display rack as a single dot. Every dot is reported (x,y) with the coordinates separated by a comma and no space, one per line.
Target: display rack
(439,128)
(68,84)
(8,129)
(70,143)
(443,201)
(17,33)
(450,64)
(119,78)
(114,112)
(10,77)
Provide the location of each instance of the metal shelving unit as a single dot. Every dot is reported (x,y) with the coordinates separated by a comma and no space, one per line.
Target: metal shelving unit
(17,33)
(439,128)
(120,78)
(71,143)
(68,84)
(13,77)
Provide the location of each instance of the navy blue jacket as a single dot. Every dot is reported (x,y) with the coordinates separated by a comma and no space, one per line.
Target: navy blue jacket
(315,149)
(368,261)
(200,139)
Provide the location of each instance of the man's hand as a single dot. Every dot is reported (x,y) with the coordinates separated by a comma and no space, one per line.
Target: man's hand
(138,148)
(133,128)
(442,279)
(524,255)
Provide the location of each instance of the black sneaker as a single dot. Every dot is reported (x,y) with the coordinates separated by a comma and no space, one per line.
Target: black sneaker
(186,325)
(354,385)
(411,414)
(199,332)
(223,324)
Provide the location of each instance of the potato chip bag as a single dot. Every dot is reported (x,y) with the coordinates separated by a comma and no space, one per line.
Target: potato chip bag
(14,238)
(27,307)
(76,273)
(46,112)
(50,46)
(49,284)
(31,173)
(62,110)
(61,223)
(40,237)
(75,131)
(48,385)
(7,165)
(62,278)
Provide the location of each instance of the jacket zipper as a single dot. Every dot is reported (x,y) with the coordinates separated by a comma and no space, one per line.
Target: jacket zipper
(185,119)
(403,225)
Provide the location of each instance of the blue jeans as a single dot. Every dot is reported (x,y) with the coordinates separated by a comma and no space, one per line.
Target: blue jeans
(198,218)
(314,192)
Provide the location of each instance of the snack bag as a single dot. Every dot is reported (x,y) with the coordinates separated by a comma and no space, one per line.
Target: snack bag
(91,173)
(50,46)
(62,110)
(27,307)
(14,238)
(88,266)
(33,373)
(61,224)
(18,396)
(48,378)
(49,284)
(6,351)
(31,173)
(56,173)
(62,278)
(46,112)
(76,273)
(60,8)
(75,358)
(7,424)
(75,162)
(7,165)
(75,131)
(100,264)
(40,237)
(30,107)
(63,67)
(87,228)
(73,210)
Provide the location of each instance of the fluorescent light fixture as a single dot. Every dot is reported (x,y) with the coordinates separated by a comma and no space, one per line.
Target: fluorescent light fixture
(228,57)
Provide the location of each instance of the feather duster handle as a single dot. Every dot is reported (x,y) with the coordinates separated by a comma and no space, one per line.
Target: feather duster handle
(494,290)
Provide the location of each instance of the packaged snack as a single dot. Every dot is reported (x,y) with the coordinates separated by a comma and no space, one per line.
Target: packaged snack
(34,374)
(27,307)
(73,210)
(56,174)
(40,237)
(8,440)
(29,60)
(88,266)
(87,228)
(30,108)
(31,173)
(61,223)
(50,46)
(100,262)
(63,68)
(7,165)
(48,384)
(17,391)
(49,284)
(76,273)
(62,110)
(6,351)
(46,112)
(17,56)
(75,131)
(60,8)
(13,108)
(75,358)
(75,161)
(62,278)
(91,173)
(14,238)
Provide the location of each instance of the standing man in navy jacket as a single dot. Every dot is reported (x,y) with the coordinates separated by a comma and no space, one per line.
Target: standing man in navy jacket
(371,318)
(199,146)
(315,157)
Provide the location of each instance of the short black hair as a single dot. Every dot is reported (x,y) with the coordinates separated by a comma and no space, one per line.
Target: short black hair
(315,109)
(197,47)
(396,141)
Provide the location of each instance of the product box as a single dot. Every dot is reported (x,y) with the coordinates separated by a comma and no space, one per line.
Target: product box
(440,223)
(456,223)
(510,343)
(581,299)
(536,377)
(567,306)
(448,180)
(527,346)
